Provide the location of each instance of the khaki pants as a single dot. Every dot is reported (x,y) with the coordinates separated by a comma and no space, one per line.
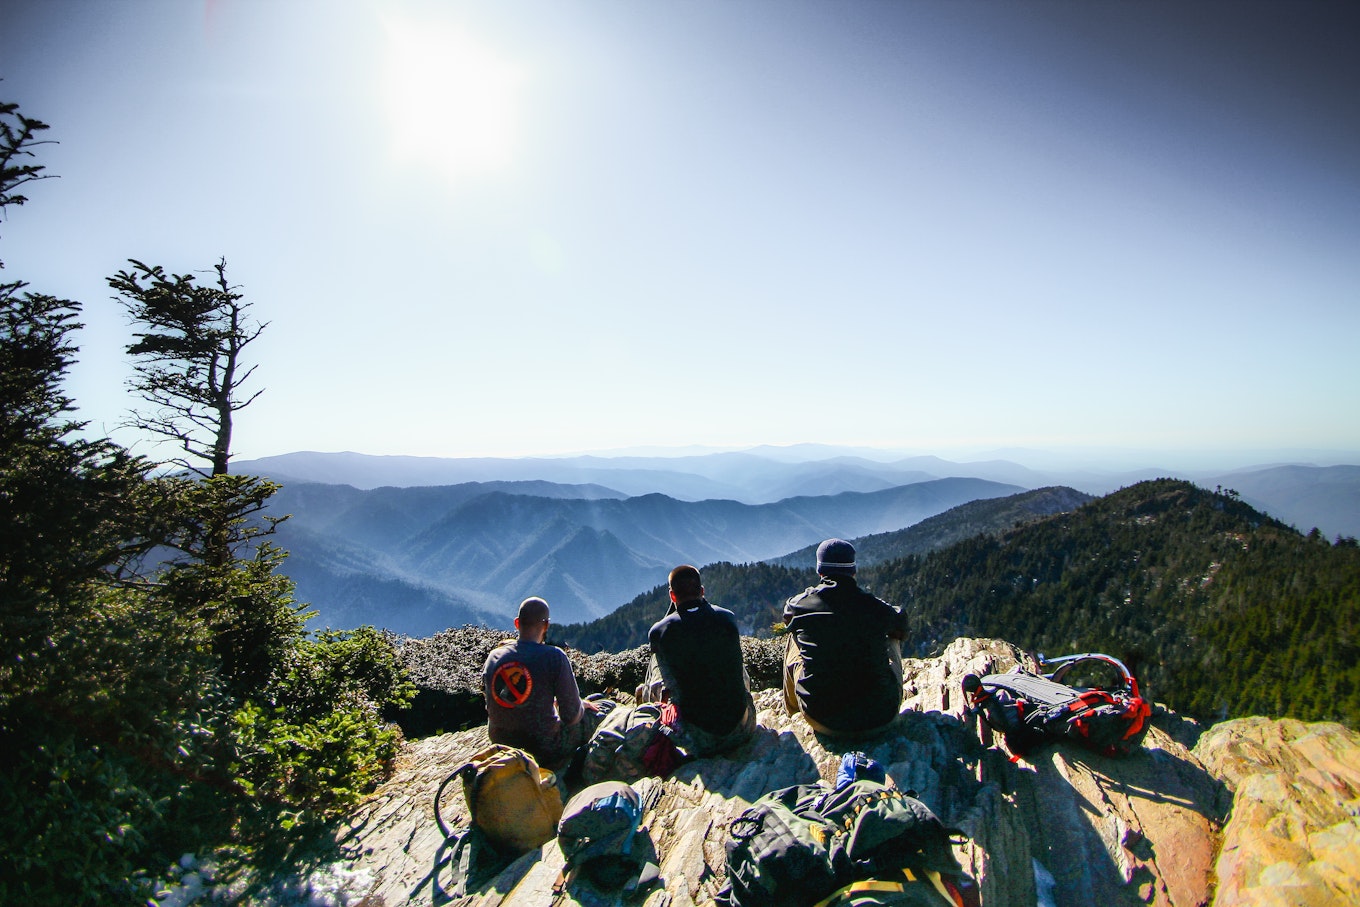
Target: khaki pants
(793,672)
(572,739)
(698,742)
(652,688)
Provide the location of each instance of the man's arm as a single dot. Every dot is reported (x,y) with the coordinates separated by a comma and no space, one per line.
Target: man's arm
(570,706)
(655,683)
(897,621)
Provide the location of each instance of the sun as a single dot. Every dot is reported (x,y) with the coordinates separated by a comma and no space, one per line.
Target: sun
(452,101)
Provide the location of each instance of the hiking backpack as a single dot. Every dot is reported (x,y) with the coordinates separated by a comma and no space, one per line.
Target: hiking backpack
(906,888)
(513,801)
(806,845)
(632,743)
(1031,709)
(600,837)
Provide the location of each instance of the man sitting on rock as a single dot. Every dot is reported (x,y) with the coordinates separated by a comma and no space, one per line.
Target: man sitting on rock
(697,664)
(532,700)
(843,660)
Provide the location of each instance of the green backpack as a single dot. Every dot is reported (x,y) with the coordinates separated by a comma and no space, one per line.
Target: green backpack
(632,742)
(805,844)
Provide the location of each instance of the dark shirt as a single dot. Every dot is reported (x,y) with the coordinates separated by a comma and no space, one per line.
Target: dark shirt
(698,649)
(530,695)
(842,634)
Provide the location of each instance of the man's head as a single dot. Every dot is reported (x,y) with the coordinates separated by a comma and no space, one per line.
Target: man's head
(685,584)
(836,557)
(532,622)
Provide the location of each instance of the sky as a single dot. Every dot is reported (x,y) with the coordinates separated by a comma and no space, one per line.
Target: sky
(529,227)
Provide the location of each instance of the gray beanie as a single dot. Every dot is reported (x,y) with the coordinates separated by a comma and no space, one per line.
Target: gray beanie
(836,556)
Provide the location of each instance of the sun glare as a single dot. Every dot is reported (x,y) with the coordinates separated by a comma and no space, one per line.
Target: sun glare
(452,102)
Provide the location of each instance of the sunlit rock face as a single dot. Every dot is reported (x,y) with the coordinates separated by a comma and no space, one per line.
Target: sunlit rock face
(1294,835)
(1066,827)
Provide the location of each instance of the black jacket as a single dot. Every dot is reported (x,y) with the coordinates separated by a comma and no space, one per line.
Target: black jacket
(698,648)
(843,636)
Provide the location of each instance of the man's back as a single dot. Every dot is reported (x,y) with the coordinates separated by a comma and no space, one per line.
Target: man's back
(842,634)
(698,648)
(523,680)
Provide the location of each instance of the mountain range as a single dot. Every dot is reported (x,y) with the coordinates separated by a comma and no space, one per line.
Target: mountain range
(755,591)
(1218,608)
(1301,494)
(419,559)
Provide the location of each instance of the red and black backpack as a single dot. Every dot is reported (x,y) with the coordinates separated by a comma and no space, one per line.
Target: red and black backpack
(1031,709)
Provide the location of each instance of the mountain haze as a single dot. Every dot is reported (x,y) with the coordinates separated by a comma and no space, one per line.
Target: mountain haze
(477,549)
(755,592)
(1300,493)
(1327,497)
(990,515)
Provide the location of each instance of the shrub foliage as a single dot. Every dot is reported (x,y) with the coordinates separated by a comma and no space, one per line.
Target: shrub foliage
(158,693)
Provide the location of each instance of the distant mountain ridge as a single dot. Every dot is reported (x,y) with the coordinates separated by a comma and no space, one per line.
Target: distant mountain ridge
(990,515)
(418,560)
(1304,495)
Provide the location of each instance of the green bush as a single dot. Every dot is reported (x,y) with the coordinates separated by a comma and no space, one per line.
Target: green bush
(315,741)
(321,766)
(107,743)
(361,667)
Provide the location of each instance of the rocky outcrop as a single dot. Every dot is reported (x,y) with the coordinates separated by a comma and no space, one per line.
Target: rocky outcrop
(1066,827)
(1294,833)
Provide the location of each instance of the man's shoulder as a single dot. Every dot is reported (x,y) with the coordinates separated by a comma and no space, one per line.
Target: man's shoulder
(819,592)
(869,599)
(507,648)
(725,615)
(704,612)
(527,650)
(546,652)
(659,628)
(806,593)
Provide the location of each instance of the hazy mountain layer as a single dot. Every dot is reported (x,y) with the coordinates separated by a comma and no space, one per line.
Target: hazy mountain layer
(756,592)
(1302,494)
(1220,610)
(418,560)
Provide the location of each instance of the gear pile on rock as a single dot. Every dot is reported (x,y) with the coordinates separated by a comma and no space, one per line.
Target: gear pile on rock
(1250,812)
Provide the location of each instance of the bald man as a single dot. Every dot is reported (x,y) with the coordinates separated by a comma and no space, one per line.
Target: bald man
(532,700)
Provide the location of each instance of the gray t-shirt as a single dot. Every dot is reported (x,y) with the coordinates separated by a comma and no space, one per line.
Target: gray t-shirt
(530,695)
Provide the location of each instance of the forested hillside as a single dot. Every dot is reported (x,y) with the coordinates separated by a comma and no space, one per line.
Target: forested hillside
(1220,610)
(954,525)
(755,592)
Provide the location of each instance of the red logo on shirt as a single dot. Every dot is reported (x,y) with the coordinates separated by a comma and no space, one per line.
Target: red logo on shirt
(511,685)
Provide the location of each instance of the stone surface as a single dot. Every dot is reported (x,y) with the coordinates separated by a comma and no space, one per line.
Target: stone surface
(1139,830)
(1294,834)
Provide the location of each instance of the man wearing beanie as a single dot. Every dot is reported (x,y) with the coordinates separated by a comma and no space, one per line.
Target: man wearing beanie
(843,660)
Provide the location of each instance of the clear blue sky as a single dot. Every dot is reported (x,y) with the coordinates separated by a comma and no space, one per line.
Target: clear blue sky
(536,226)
